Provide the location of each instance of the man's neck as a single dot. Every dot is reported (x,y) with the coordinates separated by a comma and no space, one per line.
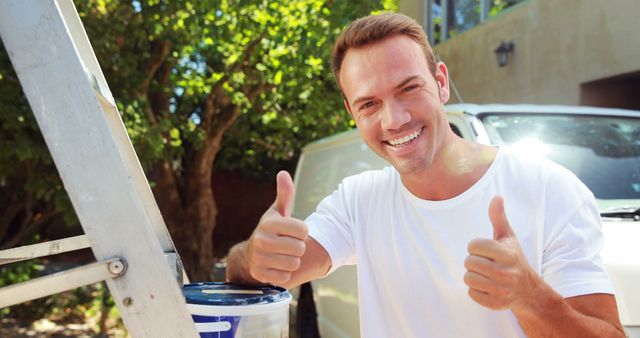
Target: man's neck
(455,169)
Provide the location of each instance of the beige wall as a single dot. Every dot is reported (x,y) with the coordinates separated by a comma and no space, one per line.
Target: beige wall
(414,9)
(559,45)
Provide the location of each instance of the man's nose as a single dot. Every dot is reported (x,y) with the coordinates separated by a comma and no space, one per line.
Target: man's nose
(394,115)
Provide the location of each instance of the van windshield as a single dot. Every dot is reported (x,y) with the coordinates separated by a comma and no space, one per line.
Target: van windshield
(603,151)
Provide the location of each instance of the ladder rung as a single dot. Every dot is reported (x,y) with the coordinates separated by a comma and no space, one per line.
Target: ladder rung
(44,249)
(61,281)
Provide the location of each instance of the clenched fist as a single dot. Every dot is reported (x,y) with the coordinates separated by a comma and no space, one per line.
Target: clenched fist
(278,242)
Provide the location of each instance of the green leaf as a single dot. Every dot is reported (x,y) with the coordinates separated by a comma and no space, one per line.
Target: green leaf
(277,79)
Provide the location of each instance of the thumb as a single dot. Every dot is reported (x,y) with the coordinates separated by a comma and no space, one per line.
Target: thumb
(501,227)
(284,195)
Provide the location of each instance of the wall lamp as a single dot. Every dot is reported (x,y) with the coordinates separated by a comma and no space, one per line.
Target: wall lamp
(503,51)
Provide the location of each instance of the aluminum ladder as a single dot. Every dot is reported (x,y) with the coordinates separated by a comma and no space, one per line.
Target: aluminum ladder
(78,118)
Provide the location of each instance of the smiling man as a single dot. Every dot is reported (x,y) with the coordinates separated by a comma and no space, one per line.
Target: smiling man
(454,239)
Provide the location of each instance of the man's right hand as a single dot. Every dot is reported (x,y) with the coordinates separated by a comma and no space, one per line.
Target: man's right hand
(277,244)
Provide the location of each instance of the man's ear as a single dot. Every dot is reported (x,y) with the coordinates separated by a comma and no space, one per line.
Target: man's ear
(348,107)
(442,79)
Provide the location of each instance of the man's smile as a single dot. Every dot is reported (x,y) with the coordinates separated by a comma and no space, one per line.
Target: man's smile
(402,141)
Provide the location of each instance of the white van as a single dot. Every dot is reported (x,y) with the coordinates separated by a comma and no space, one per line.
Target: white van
(601,146)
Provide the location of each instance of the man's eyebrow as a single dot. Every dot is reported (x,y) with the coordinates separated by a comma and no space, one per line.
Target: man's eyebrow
(407,80)
(361,99)
(400,85)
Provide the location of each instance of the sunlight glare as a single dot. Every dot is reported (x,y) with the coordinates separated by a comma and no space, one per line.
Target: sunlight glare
(531,147)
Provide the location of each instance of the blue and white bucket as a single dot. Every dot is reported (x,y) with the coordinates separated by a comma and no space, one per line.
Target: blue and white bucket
(225,310)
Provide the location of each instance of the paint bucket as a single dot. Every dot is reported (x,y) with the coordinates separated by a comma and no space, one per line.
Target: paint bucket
(225,310)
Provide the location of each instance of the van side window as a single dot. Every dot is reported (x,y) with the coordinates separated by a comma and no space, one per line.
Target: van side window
(455,129)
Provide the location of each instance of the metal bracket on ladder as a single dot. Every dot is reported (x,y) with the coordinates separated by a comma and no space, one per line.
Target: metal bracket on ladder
(78,118)
(62,281)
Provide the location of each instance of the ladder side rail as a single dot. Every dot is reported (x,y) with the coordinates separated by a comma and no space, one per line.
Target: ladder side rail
(119,131)
(88,142)
(99,83)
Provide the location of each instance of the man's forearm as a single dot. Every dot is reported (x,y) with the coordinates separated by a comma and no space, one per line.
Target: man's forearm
(552,316)
(237,271)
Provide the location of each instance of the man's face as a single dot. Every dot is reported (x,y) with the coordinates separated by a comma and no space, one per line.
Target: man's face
(396,102)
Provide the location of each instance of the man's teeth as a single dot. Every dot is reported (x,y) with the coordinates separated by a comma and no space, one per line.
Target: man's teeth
(405,139)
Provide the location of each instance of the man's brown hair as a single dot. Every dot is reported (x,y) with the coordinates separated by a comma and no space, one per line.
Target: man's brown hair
(374,28)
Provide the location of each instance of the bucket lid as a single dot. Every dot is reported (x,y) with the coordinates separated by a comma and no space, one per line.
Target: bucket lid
(228,294)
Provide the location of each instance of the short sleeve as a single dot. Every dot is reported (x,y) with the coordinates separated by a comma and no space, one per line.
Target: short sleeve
(331,225)
(571,264)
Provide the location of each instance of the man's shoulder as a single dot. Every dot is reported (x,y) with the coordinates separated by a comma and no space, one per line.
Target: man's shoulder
(526,163)
(534,170)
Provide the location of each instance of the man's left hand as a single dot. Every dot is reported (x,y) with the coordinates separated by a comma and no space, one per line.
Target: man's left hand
(498,274)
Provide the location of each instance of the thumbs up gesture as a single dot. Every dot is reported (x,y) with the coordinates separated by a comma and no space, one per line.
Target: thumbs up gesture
(498,274)
(278,242)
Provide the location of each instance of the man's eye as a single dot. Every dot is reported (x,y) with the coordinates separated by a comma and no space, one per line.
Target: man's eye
(366,105)
(409,88)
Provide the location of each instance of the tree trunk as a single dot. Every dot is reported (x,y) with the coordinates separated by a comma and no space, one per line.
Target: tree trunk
(189,208)
(190,216)
(186,199)
(200,220)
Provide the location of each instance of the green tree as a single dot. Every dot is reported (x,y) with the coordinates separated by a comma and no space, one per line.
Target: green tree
(31,193)
(183,72)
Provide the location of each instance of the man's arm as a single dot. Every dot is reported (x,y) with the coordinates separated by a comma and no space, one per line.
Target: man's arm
(279,251)
(594,315)
(499,277)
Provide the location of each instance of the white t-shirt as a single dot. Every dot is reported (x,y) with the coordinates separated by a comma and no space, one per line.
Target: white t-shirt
(410,252)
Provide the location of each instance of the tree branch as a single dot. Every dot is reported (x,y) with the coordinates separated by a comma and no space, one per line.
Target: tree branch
(11,79)
(248,52)
(8,216)
(268,146)
(156,96)
(218,97)
(160,52)
(26,229)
